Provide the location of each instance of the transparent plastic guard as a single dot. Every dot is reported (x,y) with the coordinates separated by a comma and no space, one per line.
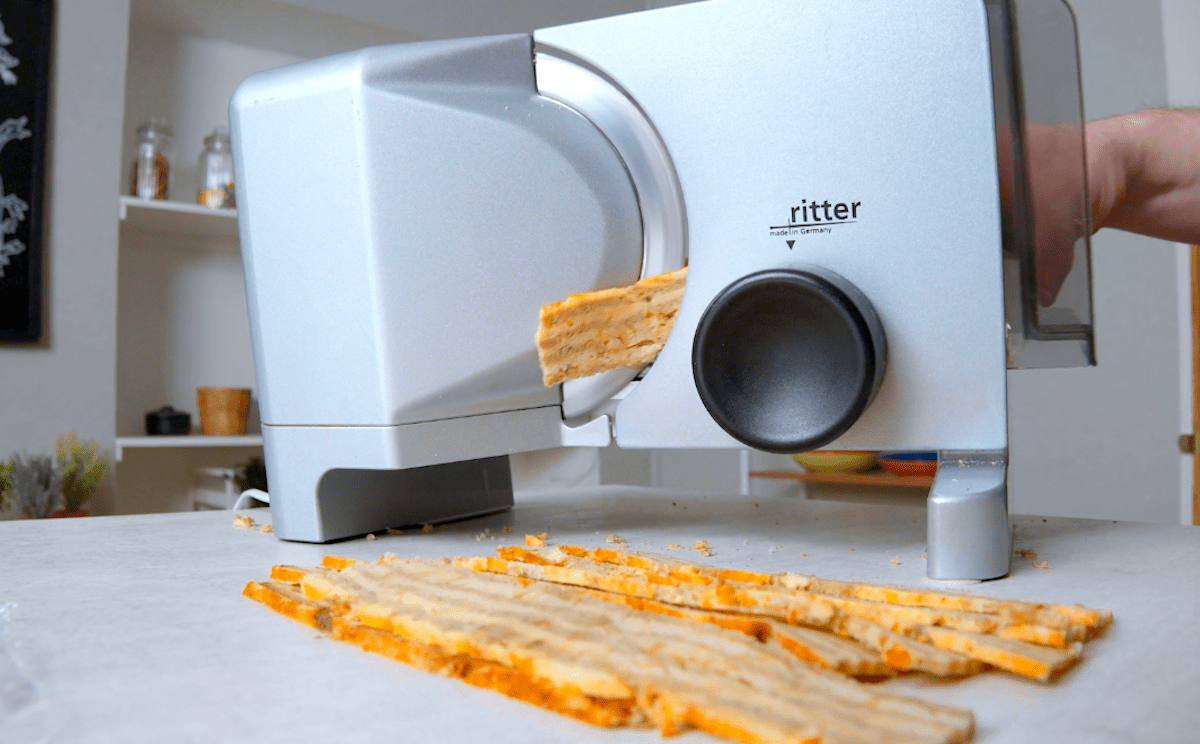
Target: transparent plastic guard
(1043,180)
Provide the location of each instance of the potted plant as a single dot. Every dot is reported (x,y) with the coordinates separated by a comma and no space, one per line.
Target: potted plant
(82,468)
(5,483)
(36,484)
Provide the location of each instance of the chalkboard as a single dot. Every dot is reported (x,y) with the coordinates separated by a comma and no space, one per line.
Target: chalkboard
(25,31)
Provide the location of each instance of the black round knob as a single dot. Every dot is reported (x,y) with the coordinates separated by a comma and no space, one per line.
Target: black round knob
(786,360)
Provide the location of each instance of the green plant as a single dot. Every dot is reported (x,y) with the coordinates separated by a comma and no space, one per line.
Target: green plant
(82,469)
(252,474)
(36,484)
(5,483)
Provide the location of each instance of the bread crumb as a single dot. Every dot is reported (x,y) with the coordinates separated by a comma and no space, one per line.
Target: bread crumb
(895,560)
(851,550)
(267,529)
(243,521)
(672,546)
(924,556)
(774,548)
(700,545)
(507,530)
(370,536)
(745,542)
(704,553)
(1041,564)
(1026,553)
(804,555)
(614,539)
(394,532)
(427,528)
(536,541)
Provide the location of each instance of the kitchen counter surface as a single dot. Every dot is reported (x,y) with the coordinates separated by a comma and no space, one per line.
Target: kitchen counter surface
(133,629)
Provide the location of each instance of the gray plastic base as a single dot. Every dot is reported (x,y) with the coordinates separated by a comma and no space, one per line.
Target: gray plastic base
(353,502)
(967,532)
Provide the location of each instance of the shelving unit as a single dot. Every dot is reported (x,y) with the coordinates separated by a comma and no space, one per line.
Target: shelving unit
(191,440)
(176,218)
(881,479)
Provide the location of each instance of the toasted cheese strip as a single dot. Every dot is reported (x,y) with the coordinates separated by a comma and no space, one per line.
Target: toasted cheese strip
(288,574)
(1054,625)
(907,654)
(286,599)
(835,714)
(664,650)
(477,672)
(806,610)
(696,590)
(597,331)
(1026,659)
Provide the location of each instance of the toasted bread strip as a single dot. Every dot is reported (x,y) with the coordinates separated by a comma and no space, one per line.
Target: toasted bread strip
(492,676)
(609,329)
(1053,625)
(290,601)
(1026,659)
(801,694)
(287,600)
(906,654)
(771,600)
(1055,616)
(806,610)
(823,649)
(682,678)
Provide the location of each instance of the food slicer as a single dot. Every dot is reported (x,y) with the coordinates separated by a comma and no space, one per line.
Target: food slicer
(869,198)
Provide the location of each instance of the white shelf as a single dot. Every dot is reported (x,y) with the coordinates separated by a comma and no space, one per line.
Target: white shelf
(177,218)
(190,440)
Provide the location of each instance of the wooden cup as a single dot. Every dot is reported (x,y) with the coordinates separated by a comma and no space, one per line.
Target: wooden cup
(223,410)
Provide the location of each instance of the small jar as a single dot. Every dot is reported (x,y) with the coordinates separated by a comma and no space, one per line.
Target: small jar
(216,171)
(152,163)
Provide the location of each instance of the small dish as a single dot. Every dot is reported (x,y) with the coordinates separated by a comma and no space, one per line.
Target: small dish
(836,461)
(910,463)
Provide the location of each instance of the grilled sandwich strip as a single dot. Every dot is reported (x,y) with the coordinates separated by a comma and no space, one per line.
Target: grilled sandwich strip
(944,642)
(678,672)
(620,638)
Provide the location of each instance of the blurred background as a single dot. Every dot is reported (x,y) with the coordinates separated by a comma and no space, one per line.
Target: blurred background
(144,302)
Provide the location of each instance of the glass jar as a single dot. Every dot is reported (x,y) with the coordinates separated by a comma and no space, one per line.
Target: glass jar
(216,171)
(152,163)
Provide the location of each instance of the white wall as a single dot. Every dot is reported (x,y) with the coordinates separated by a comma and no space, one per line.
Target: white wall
(1181,29)
(68,383)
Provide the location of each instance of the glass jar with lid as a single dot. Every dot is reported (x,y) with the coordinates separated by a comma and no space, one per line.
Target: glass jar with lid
(216,171)
(152,161)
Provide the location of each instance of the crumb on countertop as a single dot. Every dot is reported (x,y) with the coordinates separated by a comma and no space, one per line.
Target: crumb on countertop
(1026,553)
(614,539)
(895,560)
(672,546)
(394,532)
(1041,564)
(243,521)
(267,529)
(370,536)
(536,541)
(700,545)
(427,528)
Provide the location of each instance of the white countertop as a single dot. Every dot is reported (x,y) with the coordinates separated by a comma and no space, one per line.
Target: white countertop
(133,629)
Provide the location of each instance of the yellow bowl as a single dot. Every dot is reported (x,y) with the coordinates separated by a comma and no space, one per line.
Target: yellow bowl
(836,461)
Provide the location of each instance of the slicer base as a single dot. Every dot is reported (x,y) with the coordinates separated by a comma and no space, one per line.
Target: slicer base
(967,531)
(352,502)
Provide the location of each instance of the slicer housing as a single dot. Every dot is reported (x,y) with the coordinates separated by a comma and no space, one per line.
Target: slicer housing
(841,169)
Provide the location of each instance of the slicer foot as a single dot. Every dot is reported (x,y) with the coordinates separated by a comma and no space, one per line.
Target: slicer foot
(967,532)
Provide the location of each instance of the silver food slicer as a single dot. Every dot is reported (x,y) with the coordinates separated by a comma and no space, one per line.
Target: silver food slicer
(881,205)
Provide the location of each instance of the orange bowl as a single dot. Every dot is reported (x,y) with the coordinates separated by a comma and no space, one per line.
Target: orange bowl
(910,463)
